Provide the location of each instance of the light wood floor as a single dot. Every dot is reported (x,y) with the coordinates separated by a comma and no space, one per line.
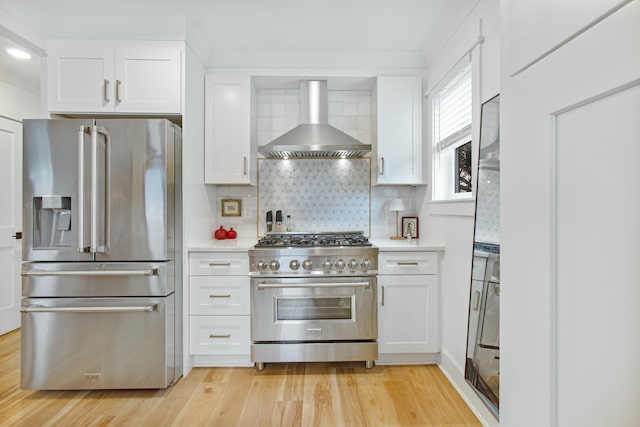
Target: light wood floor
(295,394)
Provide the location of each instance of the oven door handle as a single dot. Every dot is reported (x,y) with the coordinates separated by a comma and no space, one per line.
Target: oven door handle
(264,285)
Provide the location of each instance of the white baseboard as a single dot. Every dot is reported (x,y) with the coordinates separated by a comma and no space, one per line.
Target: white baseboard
(455,375)
(408,359)
(208,361)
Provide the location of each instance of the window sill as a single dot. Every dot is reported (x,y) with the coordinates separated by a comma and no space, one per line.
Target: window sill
(452,207)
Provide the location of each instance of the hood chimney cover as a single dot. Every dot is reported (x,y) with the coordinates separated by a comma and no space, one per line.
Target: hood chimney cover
(314,137)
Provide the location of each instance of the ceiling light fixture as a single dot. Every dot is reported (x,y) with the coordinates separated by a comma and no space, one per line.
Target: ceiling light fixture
(18,53)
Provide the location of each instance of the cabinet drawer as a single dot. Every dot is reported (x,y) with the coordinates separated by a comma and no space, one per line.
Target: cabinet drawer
(218,264)
(408,263)
(220,335)
(219,295)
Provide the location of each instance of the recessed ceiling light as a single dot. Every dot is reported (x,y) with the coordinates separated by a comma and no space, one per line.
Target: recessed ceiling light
(18,53)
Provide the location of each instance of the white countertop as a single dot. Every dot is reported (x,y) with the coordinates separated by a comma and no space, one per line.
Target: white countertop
(227,245)
(388,245)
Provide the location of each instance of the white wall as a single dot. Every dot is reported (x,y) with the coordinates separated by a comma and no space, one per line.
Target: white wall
(17,103)
(452,222)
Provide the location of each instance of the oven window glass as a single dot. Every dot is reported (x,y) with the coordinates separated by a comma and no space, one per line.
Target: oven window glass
(314,308)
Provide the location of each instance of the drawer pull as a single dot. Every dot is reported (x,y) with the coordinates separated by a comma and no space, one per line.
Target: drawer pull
(219,264)
(220,296)
(413,263)
(220,336)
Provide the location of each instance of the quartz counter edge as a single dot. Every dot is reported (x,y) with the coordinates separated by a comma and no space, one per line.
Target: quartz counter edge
(227,245)
(388,245)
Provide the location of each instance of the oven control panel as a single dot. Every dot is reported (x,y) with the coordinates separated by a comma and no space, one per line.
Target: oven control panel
(336,264)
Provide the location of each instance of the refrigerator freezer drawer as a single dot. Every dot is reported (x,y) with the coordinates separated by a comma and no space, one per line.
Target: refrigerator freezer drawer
(98,343)
(95,279)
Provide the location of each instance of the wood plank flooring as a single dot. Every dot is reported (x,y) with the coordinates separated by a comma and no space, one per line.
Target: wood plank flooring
(287,394)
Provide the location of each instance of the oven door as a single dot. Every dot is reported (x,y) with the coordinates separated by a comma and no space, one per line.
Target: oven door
(313,309)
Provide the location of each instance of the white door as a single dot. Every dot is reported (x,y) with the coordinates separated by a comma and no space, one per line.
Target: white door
(10,223)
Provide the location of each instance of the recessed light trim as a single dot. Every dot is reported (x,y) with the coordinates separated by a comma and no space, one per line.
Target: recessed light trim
(18,53)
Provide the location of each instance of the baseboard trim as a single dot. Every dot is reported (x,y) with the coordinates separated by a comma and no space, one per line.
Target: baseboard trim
(408,359)
(209,361)
(456,377)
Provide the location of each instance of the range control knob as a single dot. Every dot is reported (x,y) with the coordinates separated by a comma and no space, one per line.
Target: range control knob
(365,264)
(327,264)
(307,264)
(274,265)
(261,265)
(353,264)
(340,264)
(294,264)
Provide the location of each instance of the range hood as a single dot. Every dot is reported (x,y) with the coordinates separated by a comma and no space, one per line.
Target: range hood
(315,137)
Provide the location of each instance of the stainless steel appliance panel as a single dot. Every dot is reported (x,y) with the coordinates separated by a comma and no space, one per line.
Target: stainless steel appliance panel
(106,189)
(52,191)
(96,279)
(97,343)
(313,309)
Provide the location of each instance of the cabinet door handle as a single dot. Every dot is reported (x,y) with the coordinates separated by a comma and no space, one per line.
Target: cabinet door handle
(381,171)
(382,295)
(105,90)
(118,83)
(244,166)
(220,296)
(220,336)
(219,264)
(476,304)
(405,263)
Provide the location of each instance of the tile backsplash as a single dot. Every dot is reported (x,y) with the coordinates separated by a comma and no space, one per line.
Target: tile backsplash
(319,194)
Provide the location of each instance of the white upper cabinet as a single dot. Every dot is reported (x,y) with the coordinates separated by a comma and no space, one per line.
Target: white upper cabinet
(229,153)
(398,156)
(114,77)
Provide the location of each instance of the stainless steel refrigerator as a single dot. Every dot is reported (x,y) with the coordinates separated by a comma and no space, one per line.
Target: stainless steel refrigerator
(102,252)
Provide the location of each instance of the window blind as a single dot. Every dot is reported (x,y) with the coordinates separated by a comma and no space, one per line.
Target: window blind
(452,110)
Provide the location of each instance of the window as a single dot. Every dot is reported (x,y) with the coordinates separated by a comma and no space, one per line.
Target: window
(451,108)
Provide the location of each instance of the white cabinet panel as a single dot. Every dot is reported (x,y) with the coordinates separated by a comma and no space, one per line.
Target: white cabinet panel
(219,295)
(98,76)
(408,314)
(408,263)
(398,155)
(218,263)
(220,335)
(228,147)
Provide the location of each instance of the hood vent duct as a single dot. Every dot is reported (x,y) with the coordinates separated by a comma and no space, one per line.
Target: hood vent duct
(315,137)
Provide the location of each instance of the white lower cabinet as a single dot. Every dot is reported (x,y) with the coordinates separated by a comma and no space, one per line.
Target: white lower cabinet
(220,326)
(408,307)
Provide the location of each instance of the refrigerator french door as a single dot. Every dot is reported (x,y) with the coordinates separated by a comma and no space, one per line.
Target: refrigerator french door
(101,285)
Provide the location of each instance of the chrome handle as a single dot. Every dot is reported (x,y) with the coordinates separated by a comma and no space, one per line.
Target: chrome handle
(263,285)
(95,244)
(405,263)
(105,90)
(118,83)
(381,169)
(220,296)
(101,273)
(220,336)
(115,309)
(382,295)
(476,304)
(82,130)
(244,166)
(219,264)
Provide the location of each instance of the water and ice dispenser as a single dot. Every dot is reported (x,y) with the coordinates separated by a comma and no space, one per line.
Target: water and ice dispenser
(51,222)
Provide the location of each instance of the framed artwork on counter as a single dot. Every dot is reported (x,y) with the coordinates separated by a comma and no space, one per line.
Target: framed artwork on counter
(410,227)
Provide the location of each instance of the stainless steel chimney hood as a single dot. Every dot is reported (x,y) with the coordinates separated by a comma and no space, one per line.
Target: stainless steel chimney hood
(315,137)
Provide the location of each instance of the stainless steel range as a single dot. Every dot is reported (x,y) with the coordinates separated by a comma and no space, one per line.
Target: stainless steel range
(313,298)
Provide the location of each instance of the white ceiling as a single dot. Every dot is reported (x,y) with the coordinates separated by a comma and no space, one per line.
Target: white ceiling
(268,25)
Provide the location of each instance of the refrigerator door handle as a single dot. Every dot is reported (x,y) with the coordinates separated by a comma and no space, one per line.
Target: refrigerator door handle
(82,130)
(95,237)
(106,309)
(101,273)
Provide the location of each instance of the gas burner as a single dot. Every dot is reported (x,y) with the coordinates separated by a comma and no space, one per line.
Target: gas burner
(283,240)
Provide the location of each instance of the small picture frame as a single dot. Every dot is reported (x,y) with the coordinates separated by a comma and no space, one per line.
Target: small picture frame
(410,227)
(231,207)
